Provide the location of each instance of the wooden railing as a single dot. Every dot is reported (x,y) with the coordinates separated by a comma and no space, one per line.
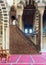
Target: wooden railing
(4,54)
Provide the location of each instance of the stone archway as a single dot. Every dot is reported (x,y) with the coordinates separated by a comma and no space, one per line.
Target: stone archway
(4,20)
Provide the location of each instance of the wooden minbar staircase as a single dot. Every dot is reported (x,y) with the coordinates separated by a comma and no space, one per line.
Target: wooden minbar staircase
(20,43)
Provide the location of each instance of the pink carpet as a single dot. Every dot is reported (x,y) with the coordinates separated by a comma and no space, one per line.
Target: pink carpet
(25,60)
(13,58)
(39,59)
(20,64)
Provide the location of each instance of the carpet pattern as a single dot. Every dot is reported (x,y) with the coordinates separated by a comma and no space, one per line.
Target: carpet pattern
(25,60)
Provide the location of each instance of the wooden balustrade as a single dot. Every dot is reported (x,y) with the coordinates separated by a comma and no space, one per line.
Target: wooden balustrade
(4,54)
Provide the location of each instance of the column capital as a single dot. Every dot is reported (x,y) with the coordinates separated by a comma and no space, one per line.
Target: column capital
(20,9)
(41,10)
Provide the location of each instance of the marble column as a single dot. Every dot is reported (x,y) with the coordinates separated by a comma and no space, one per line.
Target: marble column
(41,10)
(19,14)
(20,22)
(7,38)
(3,41)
